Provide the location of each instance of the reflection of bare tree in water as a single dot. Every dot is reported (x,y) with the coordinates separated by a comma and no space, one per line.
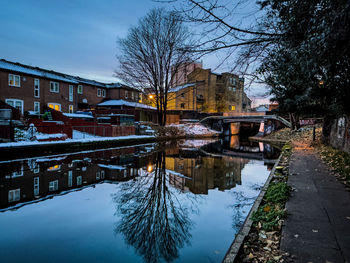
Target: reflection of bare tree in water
(242,205)
(153,219)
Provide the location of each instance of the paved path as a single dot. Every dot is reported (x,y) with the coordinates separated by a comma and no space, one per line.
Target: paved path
(317,228)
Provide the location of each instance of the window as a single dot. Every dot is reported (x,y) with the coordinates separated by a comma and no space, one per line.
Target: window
(37,107)
(233,81)
(126,94)
(132,95)
(104,93)
(53,186)
(233,107)
(71,109)
(18,104)
(98,92)
(80,89)
(70,178)
(54,87)
(182,105)
(36,186)
(98,175)
(182,95)
(14,80)
(102,174)
(14,195)
(71,92)
(54,106)
(36,88)
(79,180)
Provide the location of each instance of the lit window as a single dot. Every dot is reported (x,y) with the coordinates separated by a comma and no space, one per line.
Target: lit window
(54,87)
(104,93)
(14,195)
(55,106)
(53,186)
(36,88)
(37,107)
(98,92)
(71,109)
(233,107)
(71,92)
(54,168)
(80,89)
(14,80)
(18,104)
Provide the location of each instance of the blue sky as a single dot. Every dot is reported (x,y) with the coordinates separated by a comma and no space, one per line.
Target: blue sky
(77,37)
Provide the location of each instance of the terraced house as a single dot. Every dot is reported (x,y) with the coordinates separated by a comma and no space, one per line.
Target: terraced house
(30,88)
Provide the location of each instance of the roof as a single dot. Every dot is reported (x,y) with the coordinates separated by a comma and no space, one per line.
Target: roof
(50,74)
(178,88)
(125,103)
(35,71)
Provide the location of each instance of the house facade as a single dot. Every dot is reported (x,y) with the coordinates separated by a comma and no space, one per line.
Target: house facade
(30,89)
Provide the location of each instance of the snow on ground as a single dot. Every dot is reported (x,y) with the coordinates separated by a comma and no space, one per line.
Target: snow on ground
(194,129)
(82,135)
(43,136)
(100,139)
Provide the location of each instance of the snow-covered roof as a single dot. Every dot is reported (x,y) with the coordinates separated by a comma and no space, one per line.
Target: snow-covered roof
(178,88)
(125,103)
(35,71)
(77,115)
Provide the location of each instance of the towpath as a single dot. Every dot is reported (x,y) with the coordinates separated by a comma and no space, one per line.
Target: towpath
(317,228)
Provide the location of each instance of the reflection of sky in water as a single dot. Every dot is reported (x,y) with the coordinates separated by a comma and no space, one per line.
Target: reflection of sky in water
(81,226)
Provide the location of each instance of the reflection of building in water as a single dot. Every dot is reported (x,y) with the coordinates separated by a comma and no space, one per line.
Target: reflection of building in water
(36,178)
(201,174)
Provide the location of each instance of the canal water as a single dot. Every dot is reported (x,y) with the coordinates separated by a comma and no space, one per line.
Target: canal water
(181,201)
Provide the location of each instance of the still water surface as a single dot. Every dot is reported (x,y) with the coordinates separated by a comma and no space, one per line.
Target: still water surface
(179,202)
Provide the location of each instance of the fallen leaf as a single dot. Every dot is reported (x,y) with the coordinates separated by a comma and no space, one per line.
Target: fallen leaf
(296,235)
(315,230)
(250,256)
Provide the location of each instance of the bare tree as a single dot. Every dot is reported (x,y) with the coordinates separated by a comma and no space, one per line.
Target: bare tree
(152,53)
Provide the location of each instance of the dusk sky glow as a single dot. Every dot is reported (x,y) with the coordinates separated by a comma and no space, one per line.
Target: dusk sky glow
(77,37)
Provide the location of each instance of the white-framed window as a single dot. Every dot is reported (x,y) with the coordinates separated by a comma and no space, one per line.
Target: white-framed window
(54,87)
(126,94)
(98,175)
(79,180)
(55,106)
(36,186)
(98,92)
(37,107)
(14,195)
(36,88)
(71,92)
(71,108)
(70,178)
(53,186)
(104,93)
(14,80)
(18,104)
(102,174)
(132,95)
(80,89)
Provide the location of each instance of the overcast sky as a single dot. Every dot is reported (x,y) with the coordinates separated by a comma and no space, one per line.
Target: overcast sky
(77,37)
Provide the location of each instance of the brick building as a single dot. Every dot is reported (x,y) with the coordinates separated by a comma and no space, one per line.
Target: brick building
(211,92)
(30,88)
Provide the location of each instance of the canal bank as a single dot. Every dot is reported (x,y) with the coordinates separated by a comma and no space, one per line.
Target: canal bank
(9,151)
